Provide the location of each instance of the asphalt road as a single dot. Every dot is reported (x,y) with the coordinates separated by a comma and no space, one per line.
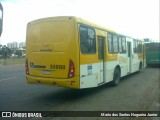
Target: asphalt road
(137,92)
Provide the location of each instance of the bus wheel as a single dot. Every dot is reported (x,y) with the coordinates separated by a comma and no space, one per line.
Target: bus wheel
(116,77)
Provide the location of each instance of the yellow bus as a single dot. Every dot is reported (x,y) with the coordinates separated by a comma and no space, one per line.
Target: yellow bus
(71,52)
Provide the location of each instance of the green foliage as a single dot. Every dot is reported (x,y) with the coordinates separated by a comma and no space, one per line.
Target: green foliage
(18,52)
(5,52)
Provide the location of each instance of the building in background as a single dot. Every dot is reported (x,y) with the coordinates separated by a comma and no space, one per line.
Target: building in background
(18,49)
(22,45)
(9,45)
(13,45)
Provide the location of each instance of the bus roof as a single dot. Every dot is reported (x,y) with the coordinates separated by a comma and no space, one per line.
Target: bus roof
(78,20)
(83,21)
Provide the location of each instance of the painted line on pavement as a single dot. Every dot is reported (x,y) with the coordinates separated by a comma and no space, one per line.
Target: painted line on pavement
(7,79)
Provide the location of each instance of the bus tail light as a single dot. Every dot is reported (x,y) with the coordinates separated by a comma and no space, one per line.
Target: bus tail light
(71,70)
(27,67)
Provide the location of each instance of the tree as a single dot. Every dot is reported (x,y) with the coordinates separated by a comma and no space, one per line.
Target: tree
(5,52)
(18,52)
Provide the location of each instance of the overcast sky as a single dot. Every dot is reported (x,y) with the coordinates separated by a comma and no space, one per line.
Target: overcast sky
(135,18)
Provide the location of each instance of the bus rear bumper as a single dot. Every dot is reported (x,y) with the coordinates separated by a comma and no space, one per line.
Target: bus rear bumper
(70,83)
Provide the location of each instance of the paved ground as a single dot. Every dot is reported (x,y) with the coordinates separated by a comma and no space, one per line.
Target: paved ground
(138,92)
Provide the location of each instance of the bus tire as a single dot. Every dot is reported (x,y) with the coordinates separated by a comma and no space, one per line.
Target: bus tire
(116,77)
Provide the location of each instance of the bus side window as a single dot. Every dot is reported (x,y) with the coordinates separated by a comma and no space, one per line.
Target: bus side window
(135,47)
(115,43)
(83,41)
(112,43)
(139,47)
(91,40)
(110,47)
(123,44)
(87,40)
(120,44)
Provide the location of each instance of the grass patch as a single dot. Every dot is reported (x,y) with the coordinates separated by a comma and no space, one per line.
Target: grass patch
(12,61)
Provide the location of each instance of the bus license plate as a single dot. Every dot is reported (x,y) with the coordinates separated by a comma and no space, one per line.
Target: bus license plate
(47,72)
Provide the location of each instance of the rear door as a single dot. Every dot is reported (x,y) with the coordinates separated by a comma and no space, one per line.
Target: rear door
(129,49)
(101,57)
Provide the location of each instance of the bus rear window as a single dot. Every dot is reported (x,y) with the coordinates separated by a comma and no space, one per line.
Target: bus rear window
(50,32)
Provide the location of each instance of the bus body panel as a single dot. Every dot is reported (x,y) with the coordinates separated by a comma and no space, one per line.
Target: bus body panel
(153,53)
(92,68)
(69,83)
(50,43)
(153,57)
(123,62)
(89,75)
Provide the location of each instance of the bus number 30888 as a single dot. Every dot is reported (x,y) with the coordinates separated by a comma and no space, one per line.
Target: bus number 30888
(57,67)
